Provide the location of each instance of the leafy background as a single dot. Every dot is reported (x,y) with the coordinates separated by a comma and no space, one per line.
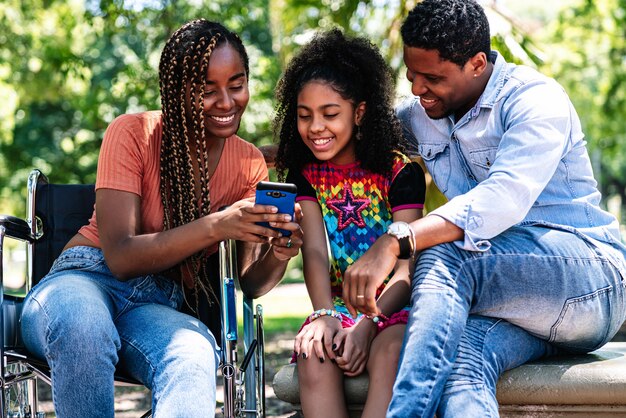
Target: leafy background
(67,68)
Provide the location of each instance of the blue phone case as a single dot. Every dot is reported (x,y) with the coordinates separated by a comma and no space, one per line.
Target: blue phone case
(281,195)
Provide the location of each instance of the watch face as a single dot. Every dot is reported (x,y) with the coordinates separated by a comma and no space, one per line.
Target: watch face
(402,232)
(398,229)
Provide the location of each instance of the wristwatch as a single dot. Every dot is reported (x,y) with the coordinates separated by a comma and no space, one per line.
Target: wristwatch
(404,234)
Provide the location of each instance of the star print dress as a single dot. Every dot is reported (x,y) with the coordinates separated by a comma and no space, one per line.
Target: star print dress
(357,207)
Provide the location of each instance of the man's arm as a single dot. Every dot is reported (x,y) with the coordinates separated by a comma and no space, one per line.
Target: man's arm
(365,276)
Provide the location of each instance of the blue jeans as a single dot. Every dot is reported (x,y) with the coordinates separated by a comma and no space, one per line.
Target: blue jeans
(536,291)
(86,323)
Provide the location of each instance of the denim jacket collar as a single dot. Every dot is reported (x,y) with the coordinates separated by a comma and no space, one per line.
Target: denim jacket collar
(501,71)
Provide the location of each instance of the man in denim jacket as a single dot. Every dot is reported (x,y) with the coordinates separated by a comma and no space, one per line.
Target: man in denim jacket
(521,262)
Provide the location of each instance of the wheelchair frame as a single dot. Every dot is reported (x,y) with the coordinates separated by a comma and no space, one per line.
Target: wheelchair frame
(243,397)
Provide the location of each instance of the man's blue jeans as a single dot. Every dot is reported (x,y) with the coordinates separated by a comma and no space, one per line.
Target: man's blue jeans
(536,291)
(85,323)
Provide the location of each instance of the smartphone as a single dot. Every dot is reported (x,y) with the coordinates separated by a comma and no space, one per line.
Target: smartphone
(281,195)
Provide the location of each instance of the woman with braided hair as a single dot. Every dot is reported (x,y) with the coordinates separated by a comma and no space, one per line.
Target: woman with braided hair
(113,298)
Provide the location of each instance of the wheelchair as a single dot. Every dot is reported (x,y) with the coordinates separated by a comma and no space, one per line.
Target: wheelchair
(54,213)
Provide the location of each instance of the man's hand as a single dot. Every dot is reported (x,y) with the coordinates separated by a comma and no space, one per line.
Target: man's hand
(362,278)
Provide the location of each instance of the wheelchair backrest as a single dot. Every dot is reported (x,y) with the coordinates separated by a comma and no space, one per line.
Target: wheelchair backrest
(60,210)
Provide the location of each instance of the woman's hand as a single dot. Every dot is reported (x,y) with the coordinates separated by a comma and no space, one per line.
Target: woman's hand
(316,338)
(353,345)
(239,222)
(261,267)
(287,247)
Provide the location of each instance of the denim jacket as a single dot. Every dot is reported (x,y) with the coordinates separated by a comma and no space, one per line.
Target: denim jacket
(517,157)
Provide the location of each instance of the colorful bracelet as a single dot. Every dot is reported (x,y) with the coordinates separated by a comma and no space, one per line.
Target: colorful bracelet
(380,318)
(324,312)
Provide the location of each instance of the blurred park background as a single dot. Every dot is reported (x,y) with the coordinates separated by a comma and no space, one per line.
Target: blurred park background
(68,68)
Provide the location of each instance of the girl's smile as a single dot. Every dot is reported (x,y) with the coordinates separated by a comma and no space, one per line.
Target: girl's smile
(326,122)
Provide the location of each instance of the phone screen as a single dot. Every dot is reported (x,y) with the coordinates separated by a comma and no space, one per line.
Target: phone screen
(281,195)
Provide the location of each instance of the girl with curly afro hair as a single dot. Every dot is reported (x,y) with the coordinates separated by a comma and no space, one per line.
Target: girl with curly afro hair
(341,145)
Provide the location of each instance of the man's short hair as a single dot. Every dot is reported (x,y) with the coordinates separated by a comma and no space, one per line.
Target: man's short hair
(458,29)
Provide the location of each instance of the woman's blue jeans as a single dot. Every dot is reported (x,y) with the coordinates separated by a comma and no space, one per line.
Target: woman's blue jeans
(536,291)
(86,323)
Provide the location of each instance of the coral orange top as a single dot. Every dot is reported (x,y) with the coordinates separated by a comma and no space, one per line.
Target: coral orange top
(130,161)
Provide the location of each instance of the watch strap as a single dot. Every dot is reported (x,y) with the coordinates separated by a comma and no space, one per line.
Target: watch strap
(405,238)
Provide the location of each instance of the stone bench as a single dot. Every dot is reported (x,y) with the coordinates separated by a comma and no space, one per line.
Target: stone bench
(591,385)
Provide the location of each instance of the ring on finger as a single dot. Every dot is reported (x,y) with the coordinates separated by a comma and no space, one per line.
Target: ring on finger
(360,296)
(289,243)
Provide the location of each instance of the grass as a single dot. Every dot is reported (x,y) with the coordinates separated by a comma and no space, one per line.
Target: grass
(284,310)
(275,327)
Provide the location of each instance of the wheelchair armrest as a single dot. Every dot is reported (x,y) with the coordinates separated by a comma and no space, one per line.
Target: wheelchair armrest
(16,228)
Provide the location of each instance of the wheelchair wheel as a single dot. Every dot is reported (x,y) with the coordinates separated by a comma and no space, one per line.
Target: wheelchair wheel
(20,395)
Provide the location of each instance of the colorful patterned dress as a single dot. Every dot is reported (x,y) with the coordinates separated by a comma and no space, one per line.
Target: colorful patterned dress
(357,207)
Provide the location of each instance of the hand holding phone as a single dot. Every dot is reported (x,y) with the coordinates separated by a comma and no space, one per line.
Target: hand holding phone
(281,195)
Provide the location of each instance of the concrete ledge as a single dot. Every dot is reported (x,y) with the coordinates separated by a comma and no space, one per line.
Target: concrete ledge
(591,385)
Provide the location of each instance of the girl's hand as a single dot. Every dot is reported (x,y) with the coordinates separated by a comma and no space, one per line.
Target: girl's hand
(316,338)
(354,347)
(287,247)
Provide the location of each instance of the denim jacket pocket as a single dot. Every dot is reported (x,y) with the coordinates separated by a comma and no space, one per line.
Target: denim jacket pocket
(437,160)
(573,322)
(482,160)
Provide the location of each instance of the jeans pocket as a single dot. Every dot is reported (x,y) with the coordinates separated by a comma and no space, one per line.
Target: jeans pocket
(79,258)
(584,322)
(155,289)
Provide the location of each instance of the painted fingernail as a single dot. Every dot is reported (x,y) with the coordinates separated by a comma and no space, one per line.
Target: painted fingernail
(333,361)
(334,347)
(321,360)
(303,355)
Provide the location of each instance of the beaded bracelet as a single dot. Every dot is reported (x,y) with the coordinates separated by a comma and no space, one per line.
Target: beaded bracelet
(324,312)
(380,318)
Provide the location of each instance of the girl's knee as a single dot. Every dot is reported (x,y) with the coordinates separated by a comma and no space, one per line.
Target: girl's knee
(385,353)
(311,371)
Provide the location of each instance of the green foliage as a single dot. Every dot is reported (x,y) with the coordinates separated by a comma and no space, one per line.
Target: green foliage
(587,57)
(67,68)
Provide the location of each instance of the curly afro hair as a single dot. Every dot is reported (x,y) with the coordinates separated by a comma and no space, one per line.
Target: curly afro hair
(355,69)
(457,29)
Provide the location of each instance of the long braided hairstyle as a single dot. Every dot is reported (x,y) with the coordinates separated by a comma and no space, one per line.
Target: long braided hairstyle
(182,77)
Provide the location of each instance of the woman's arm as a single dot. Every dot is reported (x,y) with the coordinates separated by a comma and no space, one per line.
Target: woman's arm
(262,266)
(129,253)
